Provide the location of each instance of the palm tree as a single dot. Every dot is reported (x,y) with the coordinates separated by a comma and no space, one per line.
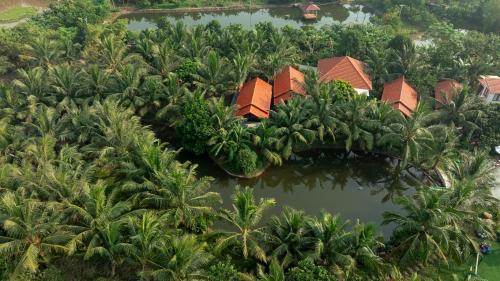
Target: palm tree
(292,124)
(32,82)
(65,84)
(330,239)
(276,272)
(242,64)
(127,86)
(288,236)
(427,229)
(110,244)
(356,126)
(32,232)
(405,61)
(475,167)
(113,54)
(212,75)
(164,59)
(324,119)
(245,218)
(412,133)
(265,140)
(181,258)
(147,237)
(226,143)
(461,111)
(96,82)
(42,52)
(184,200)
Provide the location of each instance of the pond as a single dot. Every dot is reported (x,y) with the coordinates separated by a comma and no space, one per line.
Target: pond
(279,17)
(356,188)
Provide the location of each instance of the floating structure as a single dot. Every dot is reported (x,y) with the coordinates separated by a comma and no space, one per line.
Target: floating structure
(445,90)
(310,11)
(254,99)
(490,88)
(288,83)
(401,96)
(347,69)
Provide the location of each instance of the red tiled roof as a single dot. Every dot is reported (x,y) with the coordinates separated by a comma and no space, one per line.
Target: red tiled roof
(311,7)
(344,68)
(445,89)
(255,98)
(401,95)
(287,81)
(492,83)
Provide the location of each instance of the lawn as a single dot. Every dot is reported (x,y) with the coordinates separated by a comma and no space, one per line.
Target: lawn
(17,13)
(489,268)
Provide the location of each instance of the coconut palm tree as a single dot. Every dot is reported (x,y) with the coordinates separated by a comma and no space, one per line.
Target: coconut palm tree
(127,86)
(330,238)
(96,82)
(181,258)
(113,54)
(357,127)
(164,59)
(288,239)
(275,272)
(33,82)
(412,133)
(42,52)
(242,64)
(475,167)
(32,231)
(245,218)
(65,84)
(147,237)
(426,229)
(226,143)
(265,140)
(324,119)
(182,198)
(212,75)
(461,111)
(292,124)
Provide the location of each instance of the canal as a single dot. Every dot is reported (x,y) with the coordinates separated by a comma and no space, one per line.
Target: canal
(356,188)
(279,17)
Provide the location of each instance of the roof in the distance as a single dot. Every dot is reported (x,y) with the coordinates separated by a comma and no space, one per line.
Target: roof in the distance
(255,98)
(311,7)
(492,83)
(288,80)
(445,89)
(345,68)
(400,94)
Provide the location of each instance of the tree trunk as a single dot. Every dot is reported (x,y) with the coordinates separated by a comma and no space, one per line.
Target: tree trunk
(113,269)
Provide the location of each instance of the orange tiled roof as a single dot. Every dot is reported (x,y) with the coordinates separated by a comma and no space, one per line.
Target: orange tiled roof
(401,95)
(492,83)
(445,89)
(255,98)
(287,81)
(344,68)
(311,7)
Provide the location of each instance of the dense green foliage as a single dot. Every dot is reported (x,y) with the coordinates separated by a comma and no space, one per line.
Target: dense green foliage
(88,180)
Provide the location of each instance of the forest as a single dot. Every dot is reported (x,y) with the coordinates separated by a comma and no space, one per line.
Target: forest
(92,118)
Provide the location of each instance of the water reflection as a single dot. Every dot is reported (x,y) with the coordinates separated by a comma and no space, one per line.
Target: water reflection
(357,188)
(279,17)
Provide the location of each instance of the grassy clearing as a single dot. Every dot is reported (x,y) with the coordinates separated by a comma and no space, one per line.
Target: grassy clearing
(17,13)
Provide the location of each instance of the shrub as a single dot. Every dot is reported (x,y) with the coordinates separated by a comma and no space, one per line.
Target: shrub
(247,161)
(308,271)
(222,271)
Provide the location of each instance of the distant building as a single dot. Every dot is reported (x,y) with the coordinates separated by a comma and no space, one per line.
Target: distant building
(490,88)
(287,83)
(401,96)
(310,11)
(347,69)
(254,99)
(445,90)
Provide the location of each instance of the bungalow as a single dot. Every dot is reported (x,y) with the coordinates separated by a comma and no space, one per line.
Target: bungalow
(288,83)
(490,88)
(445,90)
(254,100)
(347,69)
(401,96)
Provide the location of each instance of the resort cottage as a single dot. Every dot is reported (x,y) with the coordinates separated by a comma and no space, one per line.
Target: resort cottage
(347,69)
(401,96)
(254,100)
(445,90)
(490,88)
(288,83)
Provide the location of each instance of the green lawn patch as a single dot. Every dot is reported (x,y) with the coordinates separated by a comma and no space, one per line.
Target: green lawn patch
(17,13)
(489,268)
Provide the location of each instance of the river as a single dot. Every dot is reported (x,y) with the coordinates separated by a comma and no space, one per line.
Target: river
(357,188)
(279,17)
